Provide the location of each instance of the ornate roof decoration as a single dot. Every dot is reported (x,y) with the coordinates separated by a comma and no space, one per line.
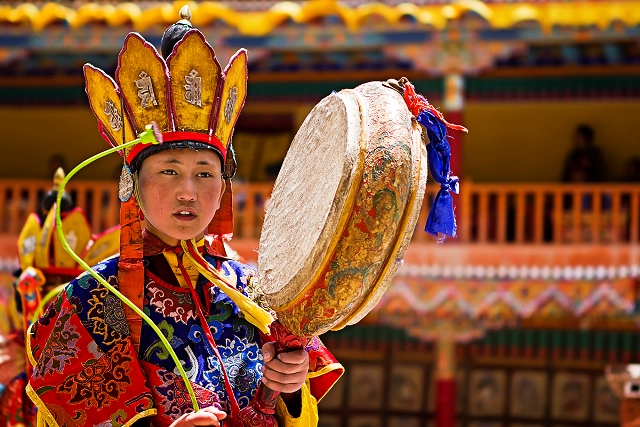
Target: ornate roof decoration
(522,272)
(259,23)
(463,309)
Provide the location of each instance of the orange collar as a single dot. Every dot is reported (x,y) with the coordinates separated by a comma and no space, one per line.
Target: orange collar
(154,246)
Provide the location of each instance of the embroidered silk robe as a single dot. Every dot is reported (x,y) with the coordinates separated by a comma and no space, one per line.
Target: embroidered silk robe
(87,373)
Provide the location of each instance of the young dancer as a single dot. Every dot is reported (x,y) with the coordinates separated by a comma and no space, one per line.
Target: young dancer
(95,361)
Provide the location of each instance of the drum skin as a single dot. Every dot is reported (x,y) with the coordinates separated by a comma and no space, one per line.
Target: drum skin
(343,210)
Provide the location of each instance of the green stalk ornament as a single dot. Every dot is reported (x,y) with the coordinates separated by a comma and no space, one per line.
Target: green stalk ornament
(149,136)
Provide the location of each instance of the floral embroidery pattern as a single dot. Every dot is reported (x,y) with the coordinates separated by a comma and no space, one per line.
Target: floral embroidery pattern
(242,361)
(171,305)
(50,313)
(114,314)
(118,419)
(89,373)
(97,317)
(157,348)
(255,293)
(63,418)
(60,348)
(175,394)
(173,397)
(102,381)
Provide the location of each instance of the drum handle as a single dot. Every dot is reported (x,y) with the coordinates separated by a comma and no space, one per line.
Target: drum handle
(261,409)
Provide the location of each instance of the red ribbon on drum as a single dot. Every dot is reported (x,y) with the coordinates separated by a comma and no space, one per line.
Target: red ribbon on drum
(441,221)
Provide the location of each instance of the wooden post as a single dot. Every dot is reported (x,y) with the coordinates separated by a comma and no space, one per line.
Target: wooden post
(538,228)
(453,103)
(3,197)
(557,216)
(15,225)
(634,210)
(577,216)
(616,226)
(520,216)
(502,217)
(445,382)
(463,212)
(596,216)
(454,107)
(483,216)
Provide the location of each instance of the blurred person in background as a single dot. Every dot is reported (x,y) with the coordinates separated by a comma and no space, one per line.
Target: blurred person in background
(585,161)
(43,272)
(16,409)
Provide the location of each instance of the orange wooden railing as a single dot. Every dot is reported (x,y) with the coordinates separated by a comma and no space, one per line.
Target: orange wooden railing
(487,213)
(550,213)
(18,198)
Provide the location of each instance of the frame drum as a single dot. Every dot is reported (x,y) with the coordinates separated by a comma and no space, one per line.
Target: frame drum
(343,209)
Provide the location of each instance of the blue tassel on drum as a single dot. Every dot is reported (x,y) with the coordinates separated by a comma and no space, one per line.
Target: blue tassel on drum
(441,220)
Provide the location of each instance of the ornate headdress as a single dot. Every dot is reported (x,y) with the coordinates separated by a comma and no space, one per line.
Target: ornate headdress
(39,246)
(188,96)
(191,100)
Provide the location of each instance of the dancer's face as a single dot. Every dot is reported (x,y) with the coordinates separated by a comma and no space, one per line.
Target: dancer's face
(180,192)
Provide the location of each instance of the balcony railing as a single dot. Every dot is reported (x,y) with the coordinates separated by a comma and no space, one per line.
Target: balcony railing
(18,198)
(487,213)
(550,213)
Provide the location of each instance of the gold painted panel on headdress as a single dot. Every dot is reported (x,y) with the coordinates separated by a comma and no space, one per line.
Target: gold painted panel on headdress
(105,246)
(233,96)
(27,241)
(107,106)
(195,73)
(44,239)
(143,80)
(77,232)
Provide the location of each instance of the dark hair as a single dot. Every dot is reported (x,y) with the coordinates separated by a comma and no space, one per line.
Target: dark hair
(586,132)
(177,145)
(228,168)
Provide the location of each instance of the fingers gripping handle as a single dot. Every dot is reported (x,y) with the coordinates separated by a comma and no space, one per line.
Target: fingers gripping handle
(260,411)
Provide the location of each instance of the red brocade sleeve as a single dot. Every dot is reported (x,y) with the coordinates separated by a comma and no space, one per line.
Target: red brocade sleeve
(324,368)
(77,382)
